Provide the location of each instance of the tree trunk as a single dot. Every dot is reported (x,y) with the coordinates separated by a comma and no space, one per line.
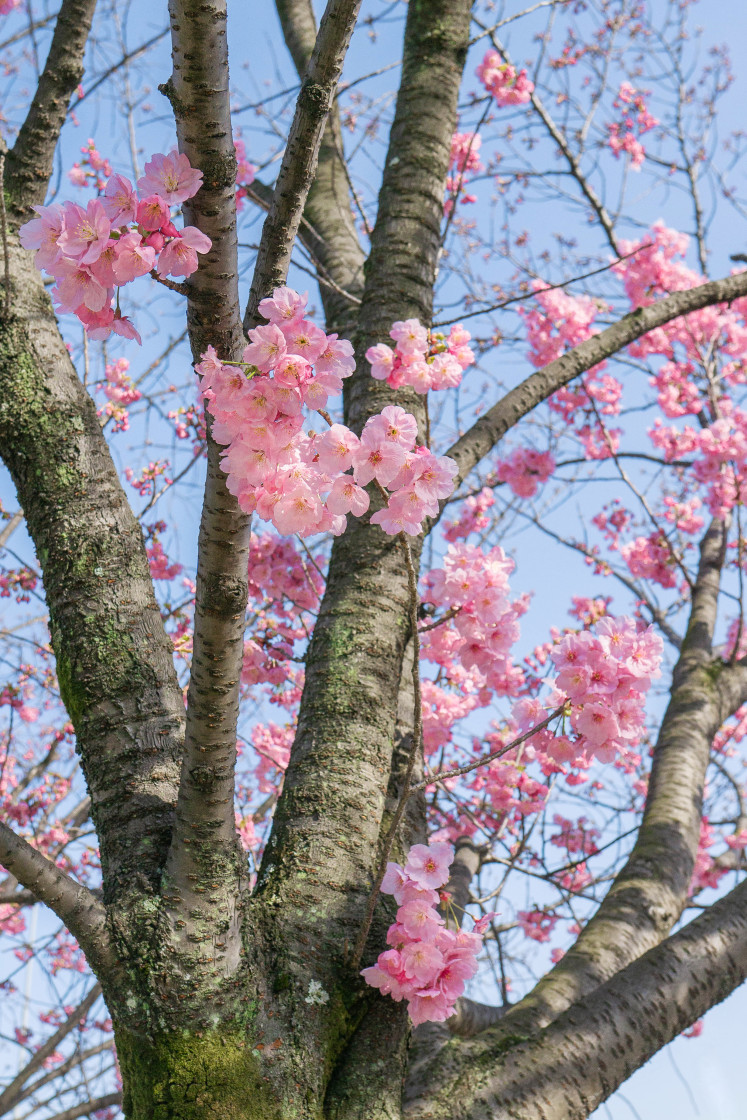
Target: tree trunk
(205,1076)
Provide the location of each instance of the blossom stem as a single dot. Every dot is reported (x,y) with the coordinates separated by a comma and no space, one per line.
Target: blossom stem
(486,758)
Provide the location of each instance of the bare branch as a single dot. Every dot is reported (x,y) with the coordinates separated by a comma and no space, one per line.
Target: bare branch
(88,1107)
(73,903)
(199,93)
(327,208)
(301,153)
(30,161)
(76,1059)
(470,448)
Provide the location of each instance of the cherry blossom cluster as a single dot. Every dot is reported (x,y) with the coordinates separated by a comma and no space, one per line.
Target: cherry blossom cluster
(18,582)
(473,585)
(472,518)
(684,385)
(421,360)
(428,963)
(284,594)
(537,925)
(463,160)
(92,252)
(651,558)
(120,392)
(93,168)
(558,322)
(524,469)
(299,481)
(7,6)
(502,80)
(605,675)
(158,561)
(636,120)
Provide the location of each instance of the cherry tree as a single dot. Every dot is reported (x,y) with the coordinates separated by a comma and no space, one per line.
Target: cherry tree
(296,819)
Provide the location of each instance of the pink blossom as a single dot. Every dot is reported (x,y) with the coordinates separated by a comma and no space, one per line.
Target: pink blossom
(377,458)
(153,212)
(266,348)
(120,201)
(284,307)
(133,258)
(597,723)
(76,286)
(422,961)
(337,448)
(170,176)
(501,80)
(85,233)
(42,234)
(429,864)
(179,256)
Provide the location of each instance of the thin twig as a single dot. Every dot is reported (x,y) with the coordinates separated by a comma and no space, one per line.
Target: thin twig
(486,758)
(172,285)
(549,288)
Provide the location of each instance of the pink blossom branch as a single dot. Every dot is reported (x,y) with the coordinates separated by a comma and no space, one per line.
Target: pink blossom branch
(574,166)
(490,428)
(650,892)
(432,779)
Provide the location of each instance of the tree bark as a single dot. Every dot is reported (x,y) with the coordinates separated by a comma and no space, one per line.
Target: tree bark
(114,660)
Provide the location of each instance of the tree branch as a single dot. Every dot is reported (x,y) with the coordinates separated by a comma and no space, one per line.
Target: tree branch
(302,150)
(327,207)
(650,892)
(31,160)
(205,859)
(579,1061)
(76,1059)
(73,903)
(111,1100)
(486,432)
(114,661)
(347,730)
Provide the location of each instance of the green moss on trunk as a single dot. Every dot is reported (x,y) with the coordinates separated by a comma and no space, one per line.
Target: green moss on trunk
(180,1076)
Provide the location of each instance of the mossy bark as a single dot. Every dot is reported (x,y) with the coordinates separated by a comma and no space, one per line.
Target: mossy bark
(114,660)
(215,1075)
